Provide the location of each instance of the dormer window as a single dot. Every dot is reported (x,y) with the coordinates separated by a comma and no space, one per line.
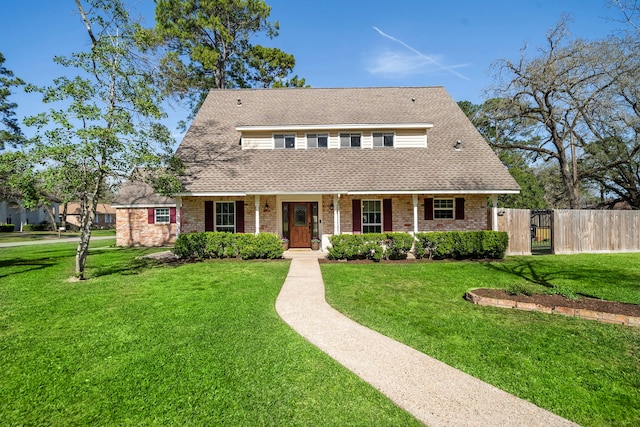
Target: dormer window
(350,140)
(381,139)
(284,141)
(317,140)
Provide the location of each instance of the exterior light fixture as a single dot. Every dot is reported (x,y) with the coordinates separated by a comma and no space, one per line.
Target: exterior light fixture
(266,207)
(331,207)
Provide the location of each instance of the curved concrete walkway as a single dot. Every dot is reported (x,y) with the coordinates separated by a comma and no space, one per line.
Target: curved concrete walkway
(433,392)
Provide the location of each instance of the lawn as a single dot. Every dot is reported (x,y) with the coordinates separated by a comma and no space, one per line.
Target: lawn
(145,344)
(585,371)
(27,236)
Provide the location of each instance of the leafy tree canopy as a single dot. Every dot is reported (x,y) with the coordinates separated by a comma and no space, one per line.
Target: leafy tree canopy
(9,129)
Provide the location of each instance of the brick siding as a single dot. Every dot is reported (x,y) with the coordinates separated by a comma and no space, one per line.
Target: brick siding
(133,229)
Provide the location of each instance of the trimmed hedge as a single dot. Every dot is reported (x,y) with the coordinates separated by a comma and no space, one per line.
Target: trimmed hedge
(7,228)
(461,244)
(203,245)
(373,246)
(43,226)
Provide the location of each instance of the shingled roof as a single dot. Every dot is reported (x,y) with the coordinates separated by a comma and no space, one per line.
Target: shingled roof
(216,163)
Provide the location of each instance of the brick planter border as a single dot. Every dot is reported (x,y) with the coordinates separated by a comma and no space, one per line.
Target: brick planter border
(619,319)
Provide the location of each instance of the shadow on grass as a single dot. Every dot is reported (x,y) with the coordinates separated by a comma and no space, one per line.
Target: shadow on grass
(23,265)
(527,270)
(127,266)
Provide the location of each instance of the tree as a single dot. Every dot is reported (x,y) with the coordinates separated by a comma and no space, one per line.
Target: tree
(108,123)
(562,96)
(10,130)
(531,194)
(208,45)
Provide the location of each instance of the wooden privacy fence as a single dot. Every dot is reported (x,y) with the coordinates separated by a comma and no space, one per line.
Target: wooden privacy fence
(574,231)
(577,231)
(517,223)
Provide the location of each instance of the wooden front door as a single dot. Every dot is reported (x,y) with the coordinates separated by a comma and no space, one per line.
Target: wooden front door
(300,225)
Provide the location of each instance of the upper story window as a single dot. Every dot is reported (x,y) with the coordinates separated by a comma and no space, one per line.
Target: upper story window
(350,140)
(284,141)
(383,139)
(317,140)
(443,208)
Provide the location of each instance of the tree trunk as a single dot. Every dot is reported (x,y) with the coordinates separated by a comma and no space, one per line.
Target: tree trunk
(87,214)
(63,216)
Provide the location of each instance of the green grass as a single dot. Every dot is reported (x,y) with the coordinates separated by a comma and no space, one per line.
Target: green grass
(586,371)
(143,344)
(27,236)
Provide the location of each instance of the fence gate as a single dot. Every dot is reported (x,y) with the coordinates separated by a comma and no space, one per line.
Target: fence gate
(541,231)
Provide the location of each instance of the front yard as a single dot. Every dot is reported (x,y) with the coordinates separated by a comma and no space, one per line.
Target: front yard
(585,371)
(138,344)
(141,343)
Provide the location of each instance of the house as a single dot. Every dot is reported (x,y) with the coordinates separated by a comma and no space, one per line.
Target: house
(105,216)
(144,218)
(12,212)
(318,162)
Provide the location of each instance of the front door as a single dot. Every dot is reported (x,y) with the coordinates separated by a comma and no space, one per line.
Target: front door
(300,225)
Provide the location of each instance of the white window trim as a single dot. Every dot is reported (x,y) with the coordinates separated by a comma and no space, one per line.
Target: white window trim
(351,134)
(215,216)
(381,225)
(156,216)
(452,209)
(285,136)
(373,139)
(317,134)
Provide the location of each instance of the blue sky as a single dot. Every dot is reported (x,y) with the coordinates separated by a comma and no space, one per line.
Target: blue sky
(338,43)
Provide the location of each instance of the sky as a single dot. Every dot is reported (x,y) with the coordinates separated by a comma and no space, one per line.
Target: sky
(348,43)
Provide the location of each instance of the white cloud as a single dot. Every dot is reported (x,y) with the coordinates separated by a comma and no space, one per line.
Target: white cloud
(403,64)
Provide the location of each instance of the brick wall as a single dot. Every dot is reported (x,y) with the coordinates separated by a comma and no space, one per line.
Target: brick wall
(133,229)
(475,213)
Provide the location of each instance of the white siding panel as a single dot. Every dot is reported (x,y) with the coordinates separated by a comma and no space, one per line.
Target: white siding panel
(411,138)
(257,140)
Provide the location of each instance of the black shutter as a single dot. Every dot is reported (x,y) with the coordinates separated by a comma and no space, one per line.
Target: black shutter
(208,216)
(387,217)
(356,209)
(240,216)
(428,209)
(459,207)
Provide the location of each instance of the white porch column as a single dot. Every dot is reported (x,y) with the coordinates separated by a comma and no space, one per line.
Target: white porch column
(494,212)
(336,214)
(3,212)
(415,214)
(178,216)
(257,206)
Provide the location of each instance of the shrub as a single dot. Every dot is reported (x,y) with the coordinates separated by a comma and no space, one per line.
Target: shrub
(7,228)
(397,245)
(43,226)
(461,244)
(227,245)
(373,246)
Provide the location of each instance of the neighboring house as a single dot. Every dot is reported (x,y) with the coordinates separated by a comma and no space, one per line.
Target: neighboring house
(144,218)
(318,162)
(105,216)
(13,213)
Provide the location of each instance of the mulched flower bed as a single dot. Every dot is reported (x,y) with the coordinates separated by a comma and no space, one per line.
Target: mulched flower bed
(593,304)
